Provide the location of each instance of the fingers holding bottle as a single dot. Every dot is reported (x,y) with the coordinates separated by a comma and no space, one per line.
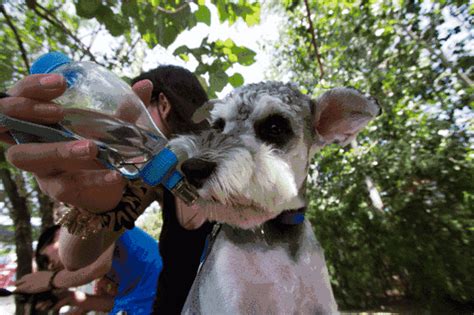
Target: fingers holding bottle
(31,99)
(47,159)
(69,172)
(41,87)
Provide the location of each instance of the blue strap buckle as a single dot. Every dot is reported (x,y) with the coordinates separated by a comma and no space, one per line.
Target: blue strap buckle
(161,169)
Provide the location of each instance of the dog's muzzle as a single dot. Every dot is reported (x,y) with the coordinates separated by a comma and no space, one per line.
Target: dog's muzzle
(197,171)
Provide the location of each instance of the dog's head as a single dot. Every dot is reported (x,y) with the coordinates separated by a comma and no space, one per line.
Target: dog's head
(252,164)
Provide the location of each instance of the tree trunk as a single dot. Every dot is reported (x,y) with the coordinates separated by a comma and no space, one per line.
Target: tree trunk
(20,215)
(45,208)
(374,194)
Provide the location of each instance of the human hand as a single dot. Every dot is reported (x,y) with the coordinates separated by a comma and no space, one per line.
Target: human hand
(105,286)
(64,296)
(44,305)
(71,298)
(31,100)
(34,282)
(68,171)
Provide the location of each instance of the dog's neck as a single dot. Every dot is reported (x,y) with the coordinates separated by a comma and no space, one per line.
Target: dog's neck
(284,231)
(272,234)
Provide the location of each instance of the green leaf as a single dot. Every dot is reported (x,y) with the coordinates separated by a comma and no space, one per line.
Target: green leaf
(253,18)
(130,8)
(222,11)
(181,50)
(114,23)
(150,39)
(218,80)
(87,8)
(229,43)
(166,35)
(246,57)
(203,82)
(184,57)
(203,15)
(236,80)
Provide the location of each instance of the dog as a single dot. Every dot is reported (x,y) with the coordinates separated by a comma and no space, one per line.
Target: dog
(250,169)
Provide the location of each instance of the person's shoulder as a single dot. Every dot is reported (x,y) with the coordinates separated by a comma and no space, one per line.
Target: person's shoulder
(138,235)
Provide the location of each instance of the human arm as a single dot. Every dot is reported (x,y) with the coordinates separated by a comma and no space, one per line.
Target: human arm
(42,281)
(77,253)
(137,197)
(65,171)
(67,279)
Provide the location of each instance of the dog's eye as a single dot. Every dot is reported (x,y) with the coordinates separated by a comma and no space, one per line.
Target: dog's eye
(274,129)
(219,124)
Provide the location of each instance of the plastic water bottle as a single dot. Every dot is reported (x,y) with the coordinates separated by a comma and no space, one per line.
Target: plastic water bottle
(100,106)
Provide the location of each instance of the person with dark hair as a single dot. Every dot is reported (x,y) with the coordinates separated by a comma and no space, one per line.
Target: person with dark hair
(51,275)
(45,256)
(69,173)
(132,265)
(176,95)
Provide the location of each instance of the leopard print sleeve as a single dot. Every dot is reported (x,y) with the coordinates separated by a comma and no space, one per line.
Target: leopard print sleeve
(129,208)
(136,198)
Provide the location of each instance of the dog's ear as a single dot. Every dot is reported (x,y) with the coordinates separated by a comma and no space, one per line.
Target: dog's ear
(204,112)
(341,113)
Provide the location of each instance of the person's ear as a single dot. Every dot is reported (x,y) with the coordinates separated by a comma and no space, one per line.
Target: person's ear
(164,106)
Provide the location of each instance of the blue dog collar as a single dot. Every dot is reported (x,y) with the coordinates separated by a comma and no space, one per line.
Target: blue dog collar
(291,217)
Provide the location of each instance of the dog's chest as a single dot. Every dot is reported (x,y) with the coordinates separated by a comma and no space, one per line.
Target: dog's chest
(263,276)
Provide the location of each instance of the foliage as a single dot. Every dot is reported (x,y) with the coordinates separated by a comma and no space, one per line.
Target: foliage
(419,153)
(40,26)
(151,221)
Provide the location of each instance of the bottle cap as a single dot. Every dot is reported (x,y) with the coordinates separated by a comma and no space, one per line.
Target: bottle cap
(48,62)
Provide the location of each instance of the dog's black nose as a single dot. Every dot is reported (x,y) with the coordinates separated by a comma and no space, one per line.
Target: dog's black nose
(197,171)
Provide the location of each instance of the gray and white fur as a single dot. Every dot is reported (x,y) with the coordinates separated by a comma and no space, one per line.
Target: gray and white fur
(251,166)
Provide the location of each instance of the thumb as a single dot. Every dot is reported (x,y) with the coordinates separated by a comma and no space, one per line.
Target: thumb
(143,89)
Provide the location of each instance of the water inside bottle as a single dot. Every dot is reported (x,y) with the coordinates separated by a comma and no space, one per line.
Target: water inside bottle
(128,147)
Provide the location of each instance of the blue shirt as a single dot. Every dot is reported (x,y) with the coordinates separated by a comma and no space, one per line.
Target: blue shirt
(136,265)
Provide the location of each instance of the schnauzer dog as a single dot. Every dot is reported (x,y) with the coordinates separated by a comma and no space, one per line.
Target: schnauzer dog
(250,169)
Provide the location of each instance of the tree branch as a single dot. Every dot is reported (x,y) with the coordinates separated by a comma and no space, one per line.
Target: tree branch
(181,7)
(132,46)
(313,39)
(17,37)
(48,16)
